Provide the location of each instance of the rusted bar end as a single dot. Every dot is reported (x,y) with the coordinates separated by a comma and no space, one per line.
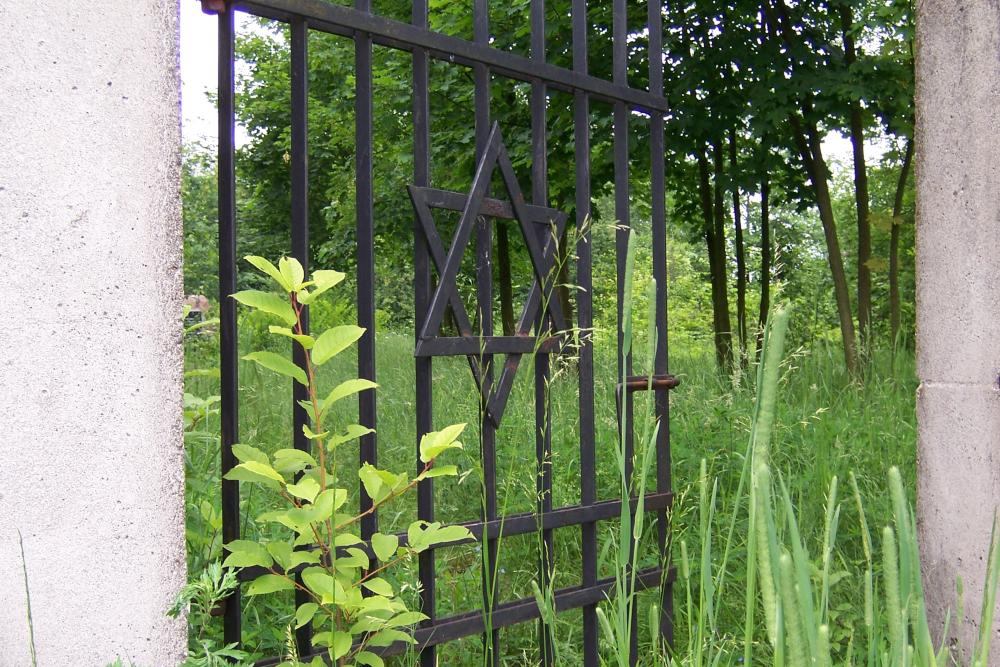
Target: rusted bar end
(213,6)
(642,382)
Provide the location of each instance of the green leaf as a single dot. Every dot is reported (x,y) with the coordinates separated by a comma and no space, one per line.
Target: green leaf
(324,280)
(302,339)
(384,546)
(303,558)
(421,534)
(305,613)
(372,482)
(279,364)
(292,272)
(330,501)
(255,471)
(269,583)
(317,580)
(369,658)
(345,389)
(246,553)
(355,558)
(346,540)
(436,442)
(353,432)
(333,341)
(270,269)
(439,471)
(269,303)
(379,586)
(292,460)
(450,534)
(281,552)
(308,432)
(389,636)
(245,453)
(407,618)
(380,484)
(340,645)
(305,489)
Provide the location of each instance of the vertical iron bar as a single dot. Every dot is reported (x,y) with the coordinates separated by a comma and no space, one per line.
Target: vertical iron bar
(543,414)
(228,352)
(585,320)
(619,36)
(484,290)
(300,247)
(366,253)
(422,296)
(659,233)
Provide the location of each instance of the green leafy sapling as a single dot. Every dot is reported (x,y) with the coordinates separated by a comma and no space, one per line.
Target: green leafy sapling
(201,598)
(352,608)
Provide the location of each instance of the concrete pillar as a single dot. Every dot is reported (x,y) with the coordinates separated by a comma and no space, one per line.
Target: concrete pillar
(91,467)
(958,297)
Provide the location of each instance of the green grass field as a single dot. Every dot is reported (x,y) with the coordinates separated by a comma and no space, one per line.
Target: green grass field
(825,426)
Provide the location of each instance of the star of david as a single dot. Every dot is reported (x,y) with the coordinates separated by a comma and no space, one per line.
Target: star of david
(541,227)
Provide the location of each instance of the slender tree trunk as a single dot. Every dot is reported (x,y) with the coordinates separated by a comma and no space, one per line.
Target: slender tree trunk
(897,212)
(505,279)
(741,266)
(717,268)
(721,255)
(765,258)
(808,144)
(861,197)
(809,147)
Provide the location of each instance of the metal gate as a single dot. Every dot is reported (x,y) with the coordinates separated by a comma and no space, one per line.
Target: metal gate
(434,299)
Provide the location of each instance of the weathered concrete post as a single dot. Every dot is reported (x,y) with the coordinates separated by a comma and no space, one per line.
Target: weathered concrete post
(958,296)
(91,468)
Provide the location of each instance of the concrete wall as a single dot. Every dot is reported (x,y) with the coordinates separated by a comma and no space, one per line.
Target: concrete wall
(91,467)
(958,295)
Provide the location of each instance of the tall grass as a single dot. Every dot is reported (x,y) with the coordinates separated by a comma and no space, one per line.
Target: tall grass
(822,426)
(27,601)
(794,589)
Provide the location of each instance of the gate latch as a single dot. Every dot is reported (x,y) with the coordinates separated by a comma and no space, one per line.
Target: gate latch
(644,382)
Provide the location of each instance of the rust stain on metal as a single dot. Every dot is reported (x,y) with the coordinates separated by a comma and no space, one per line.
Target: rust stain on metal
(213,6)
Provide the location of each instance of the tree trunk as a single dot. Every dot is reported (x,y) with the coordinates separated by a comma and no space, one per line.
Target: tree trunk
(741,267)
(861,197)
(505,280)
(809,148)
(811,153)
(897,212)
(717,268)
(765,258)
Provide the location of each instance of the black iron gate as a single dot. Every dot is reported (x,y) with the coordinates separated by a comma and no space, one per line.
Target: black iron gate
(432,302)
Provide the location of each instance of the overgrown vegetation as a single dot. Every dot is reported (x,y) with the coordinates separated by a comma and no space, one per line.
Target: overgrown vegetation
(758,215)
(860,427)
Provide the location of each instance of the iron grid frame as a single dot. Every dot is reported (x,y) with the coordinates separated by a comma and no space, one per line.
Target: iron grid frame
(367,29)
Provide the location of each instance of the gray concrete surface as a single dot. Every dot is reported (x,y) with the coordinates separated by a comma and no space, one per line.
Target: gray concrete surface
(958,296)
(91,468)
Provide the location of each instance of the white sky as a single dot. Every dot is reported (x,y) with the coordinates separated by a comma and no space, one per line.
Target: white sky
(199,41)
(199,44)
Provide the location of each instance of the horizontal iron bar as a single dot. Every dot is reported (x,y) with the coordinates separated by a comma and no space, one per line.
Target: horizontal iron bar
(643,382)
(495,208)
(528,522)
(511,613)
(344,20)
(448,346)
